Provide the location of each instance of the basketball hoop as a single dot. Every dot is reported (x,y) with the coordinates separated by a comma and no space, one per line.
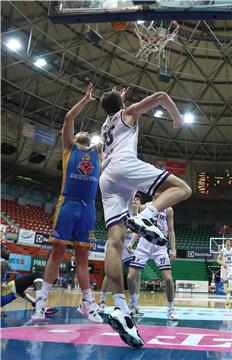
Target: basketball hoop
(119,25)
(153,38)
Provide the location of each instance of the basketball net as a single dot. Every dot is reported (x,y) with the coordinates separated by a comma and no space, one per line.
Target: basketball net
(153,38)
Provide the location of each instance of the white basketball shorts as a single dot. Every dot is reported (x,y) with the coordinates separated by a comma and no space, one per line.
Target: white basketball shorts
(226,274)
(120,181)
(145,251)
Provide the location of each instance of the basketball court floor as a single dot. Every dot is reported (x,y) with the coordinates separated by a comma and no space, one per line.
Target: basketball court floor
(203,331)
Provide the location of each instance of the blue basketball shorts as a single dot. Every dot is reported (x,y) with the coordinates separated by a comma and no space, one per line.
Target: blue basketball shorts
(74,222)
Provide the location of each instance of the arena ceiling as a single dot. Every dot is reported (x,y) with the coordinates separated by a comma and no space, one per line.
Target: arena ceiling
(200,67)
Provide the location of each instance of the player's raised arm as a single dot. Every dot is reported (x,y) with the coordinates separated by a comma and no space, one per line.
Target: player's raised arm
(158,99)
(68,126)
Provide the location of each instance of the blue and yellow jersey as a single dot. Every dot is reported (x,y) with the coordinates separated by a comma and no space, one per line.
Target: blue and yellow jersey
(8,292)
(81,171)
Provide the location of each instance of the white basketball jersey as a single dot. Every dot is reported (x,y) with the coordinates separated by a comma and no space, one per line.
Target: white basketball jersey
(227,256)
(118,139)
(160,220)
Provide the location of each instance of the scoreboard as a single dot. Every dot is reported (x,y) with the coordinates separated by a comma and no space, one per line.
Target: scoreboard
(214,183)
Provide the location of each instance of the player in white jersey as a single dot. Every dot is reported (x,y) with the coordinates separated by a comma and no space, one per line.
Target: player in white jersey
(127,257)
(123,174)
(146,250)
(225,260)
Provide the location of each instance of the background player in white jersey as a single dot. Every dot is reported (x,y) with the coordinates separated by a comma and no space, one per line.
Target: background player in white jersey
(225,260)
(146,250)
(127,257)
(123,174)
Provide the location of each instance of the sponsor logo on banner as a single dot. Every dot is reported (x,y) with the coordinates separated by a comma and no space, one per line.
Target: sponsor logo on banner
(40,263)
(26,237)
(19,262)
(97,252)
(192,254)
(41,238)
(98,248)
(40,134)
(174,167)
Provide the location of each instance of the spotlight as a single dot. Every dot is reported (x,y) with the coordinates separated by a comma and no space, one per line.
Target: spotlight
(40,63)
(13,44)
(158,113)
(96,139)
(188,118)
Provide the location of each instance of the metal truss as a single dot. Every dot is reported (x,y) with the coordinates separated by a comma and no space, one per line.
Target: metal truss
(45,95)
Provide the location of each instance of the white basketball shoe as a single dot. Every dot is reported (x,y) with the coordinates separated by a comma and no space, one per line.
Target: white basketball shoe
(89,309)
(125,326)
(38,314)
(101,306)
(172,314)
(145,228)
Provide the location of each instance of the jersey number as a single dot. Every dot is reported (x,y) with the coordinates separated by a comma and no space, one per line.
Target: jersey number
(162,261)
(108,137)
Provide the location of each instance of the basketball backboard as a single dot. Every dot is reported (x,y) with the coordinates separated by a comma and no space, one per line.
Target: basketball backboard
(217,244)
(95,11)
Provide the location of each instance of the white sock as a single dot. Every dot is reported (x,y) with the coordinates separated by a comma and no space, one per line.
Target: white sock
(134,299)
(120,301)
(87,295)
(46,287)
(149,212)
(170,304)
(103,296)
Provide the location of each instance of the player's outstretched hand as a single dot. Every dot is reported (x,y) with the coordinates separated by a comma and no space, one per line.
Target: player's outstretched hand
(88,94)
(123,92)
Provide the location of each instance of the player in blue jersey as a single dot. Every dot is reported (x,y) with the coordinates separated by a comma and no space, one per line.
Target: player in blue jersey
(13,288)
(75,215)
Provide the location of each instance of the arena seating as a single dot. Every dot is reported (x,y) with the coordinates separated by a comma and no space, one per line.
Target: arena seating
(34,218)
(187,238)
(9,228)
(27,216)
(100,233)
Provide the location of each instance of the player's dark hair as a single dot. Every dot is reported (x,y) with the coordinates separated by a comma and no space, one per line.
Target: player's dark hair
(138,195)
(111,102)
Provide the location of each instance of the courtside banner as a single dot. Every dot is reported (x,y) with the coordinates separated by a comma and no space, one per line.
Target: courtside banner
(174,167)
(19,262)
(193,254)
(41,239)
(38,264)
(98,248)
(26,237)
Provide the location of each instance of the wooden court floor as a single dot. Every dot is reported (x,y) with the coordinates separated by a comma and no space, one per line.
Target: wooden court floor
(203,330)
(65,297)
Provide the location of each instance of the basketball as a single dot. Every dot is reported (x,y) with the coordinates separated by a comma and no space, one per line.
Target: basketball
(119,26)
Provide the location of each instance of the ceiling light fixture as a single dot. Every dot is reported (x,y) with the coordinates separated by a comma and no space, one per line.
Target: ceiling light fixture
(158,113)
(188,118)
(95,139)
(13,44)
(40,63)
